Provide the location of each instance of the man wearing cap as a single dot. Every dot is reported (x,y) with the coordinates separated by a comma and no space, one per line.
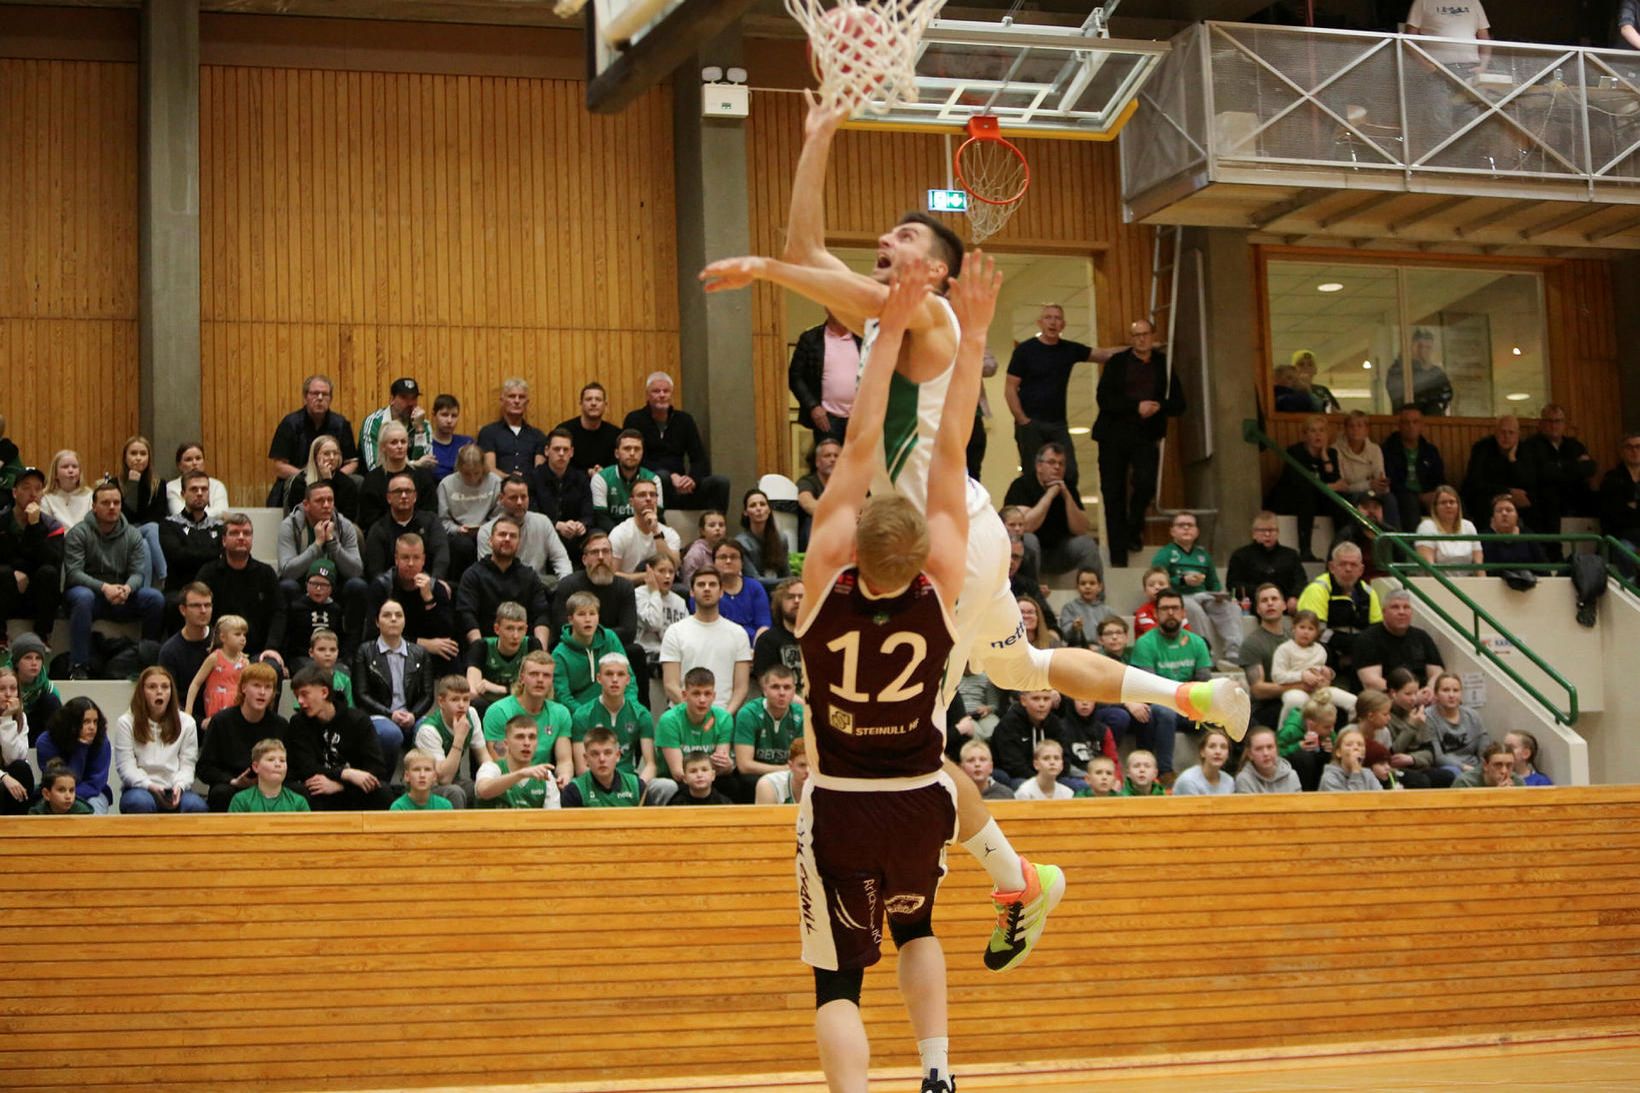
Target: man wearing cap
(314,609)
(293,439)
(31,555)
(404,407)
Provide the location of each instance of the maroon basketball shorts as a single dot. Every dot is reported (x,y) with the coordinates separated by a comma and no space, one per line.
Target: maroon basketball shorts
(864,856)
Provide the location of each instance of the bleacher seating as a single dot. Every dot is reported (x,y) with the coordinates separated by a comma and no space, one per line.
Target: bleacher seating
(574,950)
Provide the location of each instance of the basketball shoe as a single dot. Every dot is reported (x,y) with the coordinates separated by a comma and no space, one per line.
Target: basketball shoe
(1022,915)
(1222,702)
(947,1084)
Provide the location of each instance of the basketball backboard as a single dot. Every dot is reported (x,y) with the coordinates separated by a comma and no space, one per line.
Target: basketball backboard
(1038,80)
(634,44)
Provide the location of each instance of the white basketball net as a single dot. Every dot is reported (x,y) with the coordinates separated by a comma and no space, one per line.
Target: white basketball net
(865,51)
(994,177)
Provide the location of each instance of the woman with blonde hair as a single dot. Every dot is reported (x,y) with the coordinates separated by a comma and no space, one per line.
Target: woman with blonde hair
(67,498)
(1446,518)
(324,465)
(155,748)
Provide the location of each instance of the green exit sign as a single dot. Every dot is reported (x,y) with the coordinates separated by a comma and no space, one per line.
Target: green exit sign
(947,201)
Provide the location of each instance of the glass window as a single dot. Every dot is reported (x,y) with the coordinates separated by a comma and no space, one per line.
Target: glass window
(1340,332)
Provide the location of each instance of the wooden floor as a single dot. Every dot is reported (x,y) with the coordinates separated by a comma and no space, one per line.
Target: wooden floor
(1585,1064)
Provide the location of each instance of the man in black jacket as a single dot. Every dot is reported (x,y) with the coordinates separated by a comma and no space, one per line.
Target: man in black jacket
(674,450)
(192,537)
(392,679)
(1136,397)
(832,347)
(562,493)
(490,582)
(1265,561)
(404,518)
(335,756)
(31,556)
(429,608)
(241,585)
(1499,464)
(1564,470)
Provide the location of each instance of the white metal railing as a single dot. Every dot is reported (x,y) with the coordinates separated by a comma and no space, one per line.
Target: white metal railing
(1251,103)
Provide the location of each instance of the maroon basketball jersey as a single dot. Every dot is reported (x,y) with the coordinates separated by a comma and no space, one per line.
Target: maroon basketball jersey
(874,671)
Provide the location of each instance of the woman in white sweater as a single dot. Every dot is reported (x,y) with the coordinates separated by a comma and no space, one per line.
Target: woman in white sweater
(155,746)
(1361,465)
(16,776)
(1300,665)
(67,498)
(1446,518)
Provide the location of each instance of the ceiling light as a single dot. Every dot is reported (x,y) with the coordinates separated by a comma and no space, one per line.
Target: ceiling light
(1517,396)
(1516,351)
(1366,364)
(1078,430)
(1330,286)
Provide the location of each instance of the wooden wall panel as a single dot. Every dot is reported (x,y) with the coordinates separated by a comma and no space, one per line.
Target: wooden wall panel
(1074,207)
(455,228)
(603,949)
(68,257)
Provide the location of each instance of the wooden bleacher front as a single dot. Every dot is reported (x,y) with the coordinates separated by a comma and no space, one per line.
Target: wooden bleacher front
(458,949)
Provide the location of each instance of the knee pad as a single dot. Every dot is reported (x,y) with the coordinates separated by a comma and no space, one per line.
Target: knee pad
(1023,667)
(840,986)
(904,933)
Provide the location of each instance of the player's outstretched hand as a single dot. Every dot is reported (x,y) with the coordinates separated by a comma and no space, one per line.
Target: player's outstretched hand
(973,296)
(825,114)
(730,273)
(906,294)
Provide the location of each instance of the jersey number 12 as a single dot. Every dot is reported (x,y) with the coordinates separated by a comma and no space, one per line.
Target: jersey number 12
(897,691)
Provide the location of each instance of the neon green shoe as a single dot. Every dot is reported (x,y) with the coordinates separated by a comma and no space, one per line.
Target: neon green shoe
(1022,915)
(1222,702)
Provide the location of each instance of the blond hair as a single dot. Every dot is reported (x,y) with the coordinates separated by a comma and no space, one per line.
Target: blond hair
(891,541)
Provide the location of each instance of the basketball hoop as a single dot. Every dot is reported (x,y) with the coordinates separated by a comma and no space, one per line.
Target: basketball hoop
(994,173)
(864,52)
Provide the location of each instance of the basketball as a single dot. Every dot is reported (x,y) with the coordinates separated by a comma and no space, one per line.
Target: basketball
(851,36)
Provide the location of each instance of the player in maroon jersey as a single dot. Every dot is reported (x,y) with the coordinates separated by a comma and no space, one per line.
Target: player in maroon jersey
(879,809)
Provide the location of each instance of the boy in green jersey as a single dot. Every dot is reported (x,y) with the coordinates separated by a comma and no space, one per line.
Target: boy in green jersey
(420,776)
(696,725)
(603,784)
(1101,778)
(516,780)
(765,727)
(450,730)
(269,794)
(615,709)
(532,695)
(493,664)
(324,648)
(57,796)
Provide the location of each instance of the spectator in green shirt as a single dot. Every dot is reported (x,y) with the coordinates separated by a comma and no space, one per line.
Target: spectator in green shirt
(269,794)
(1172,652)
(765,727)
(695,725)
(1212,612)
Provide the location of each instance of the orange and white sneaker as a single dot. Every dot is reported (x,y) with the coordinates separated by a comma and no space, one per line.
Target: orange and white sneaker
(1022,915)
(1222,702)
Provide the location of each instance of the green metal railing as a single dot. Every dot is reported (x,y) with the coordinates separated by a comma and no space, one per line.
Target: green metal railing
(1386,547)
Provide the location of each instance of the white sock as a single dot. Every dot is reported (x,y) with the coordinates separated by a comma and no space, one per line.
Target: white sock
(998,857)
(934,1052)
(1139,685)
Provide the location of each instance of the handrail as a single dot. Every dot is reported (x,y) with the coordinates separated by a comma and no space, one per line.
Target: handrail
(1616,546)
(1387,543)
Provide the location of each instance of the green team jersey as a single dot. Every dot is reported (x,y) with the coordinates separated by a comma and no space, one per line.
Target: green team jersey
(771,740)
(435,803)
(623,793)
(617,494)
(252,799)
(530,793)
(1179,561)
(342,684)
(675,730)
(630,725)
(553,721)
(446,737)
(500,668)
(1178,660)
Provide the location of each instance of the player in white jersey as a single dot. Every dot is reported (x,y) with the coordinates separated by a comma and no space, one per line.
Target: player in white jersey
(991,634)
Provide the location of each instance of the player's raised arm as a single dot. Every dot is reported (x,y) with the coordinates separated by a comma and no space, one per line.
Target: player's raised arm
(831,542)
(973,298)
(850,296)
(806,221)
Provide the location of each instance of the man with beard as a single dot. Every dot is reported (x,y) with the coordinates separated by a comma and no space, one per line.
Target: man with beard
(612,486)
(429,613)
(617,599)
(192,537)
(778,644)
(404,518)
(492,581)
(242,585)
(561,493)
(1172,652)
(538,544)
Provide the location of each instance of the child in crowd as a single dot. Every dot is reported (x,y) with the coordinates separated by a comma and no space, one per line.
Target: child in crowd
(270,794)
(697,724)
(714,528)
(16,776)
(315,610)
(420,776)
(1208,778)
(615,710)
(1496,770)
(582,645)
(57,795)
(493,663)
(1026,724)
(447,443)
(1306,740)
(1347,773)
(698,776)
(450,730)
(41,699)
(1081,618)
(1141,780)
(324,649)
(1144,616)
(515,780)
(219,672)
(1301,656)
(1263,770)
(604,784)
(1377,761)
(1412,742)
(67,498)
(1048,758)
(79,737)
(1102,779)
(1373,710)
(1524,746)
(1086,735)
(977,764)
(156,747)
(1119,717)
(658,606)
(1458,735)
(785,787)
(1190,569)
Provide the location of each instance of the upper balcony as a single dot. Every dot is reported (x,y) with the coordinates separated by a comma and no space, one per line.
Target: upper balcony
(1323,135)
